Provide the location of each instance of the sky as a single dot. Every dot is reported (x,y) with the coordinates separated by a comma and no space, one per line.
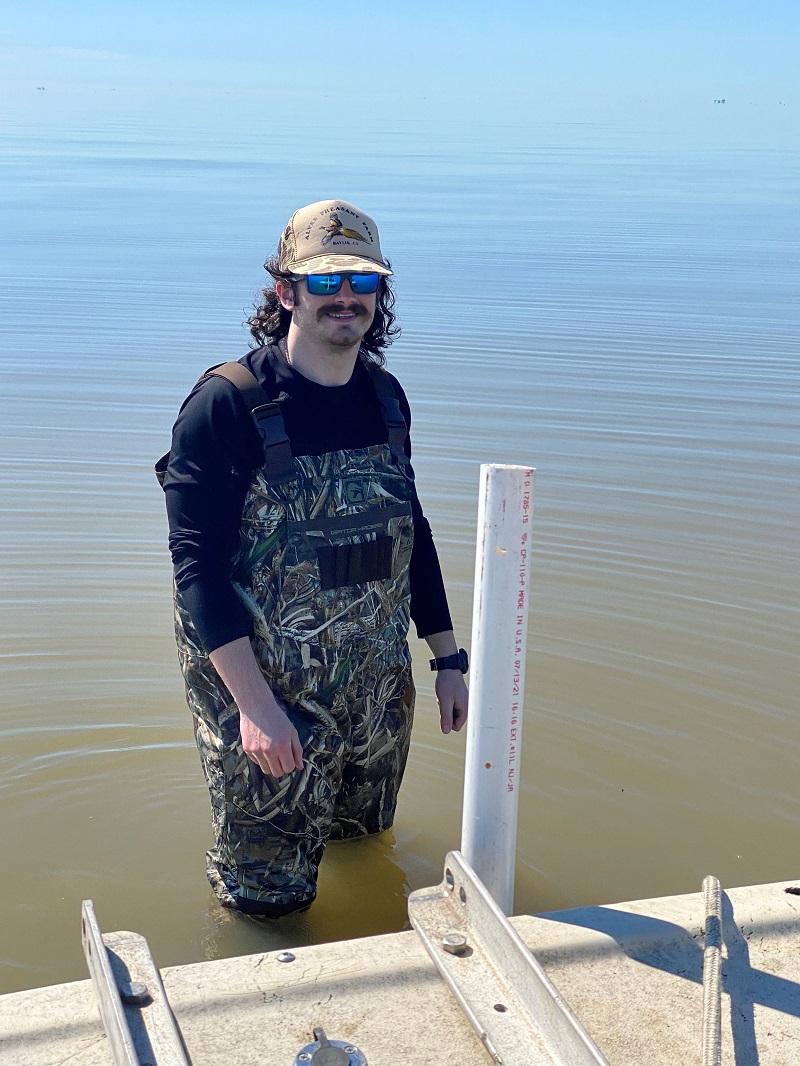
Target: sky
(615,50)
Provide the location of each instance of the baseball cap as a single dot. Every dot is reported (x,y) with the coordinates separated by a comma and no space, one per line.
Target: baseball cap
(328,237)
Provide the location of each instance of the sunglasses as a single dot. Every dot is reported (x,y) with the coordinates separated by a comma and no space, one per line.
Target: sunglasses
(329,284)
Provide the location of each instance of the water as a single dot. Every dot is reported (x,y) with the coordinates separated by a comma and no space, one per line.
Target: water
(612,303)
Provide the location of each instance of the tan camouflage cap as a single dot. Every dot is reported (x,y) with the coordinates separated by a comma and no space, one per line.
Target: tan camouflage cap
(328,237)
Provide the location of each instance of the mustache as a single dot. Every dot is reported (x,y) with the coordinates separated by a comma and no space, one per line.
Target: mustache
(343,308)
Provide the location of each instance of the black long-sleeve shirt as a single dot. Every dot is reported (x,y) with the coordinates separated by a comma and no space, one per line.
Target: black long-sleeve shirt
(216,447)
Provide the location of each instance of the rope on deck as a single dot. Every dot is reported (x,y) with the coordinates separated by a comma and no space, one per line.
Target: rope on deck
(712,961)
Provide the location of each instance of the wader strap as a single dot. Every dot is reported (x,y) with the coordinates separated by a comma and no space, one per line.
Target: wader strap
(393,418)
(243,379)
(279,465)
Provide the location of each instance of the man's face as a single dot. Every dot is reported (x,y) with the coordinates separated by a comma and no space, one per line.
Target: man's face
(340,320)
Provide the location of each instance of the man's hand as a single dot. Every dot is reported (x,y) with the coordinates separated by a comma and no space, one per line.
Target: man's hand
(270,739)
(453,699)
(451,691)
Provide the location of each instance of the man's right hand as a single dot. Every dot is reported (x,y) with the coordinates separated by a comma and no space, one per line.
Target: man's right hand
(268,737)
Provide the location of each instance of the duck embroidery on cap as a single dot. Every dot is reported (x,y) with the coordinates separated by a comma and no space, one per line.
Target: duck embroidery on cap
(335,229)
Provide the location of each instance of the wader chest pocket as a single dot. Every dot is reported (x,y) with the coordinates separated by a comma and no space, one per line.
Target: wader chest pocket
(352,549)
(354,564)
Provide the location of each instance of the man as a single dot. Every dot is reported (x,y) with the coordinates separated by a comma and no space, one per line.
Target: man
(300,550)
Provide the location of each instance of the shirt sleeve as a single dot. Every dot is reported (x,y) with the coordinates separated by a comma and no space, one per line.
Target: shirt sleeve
(214,447)
(429,608)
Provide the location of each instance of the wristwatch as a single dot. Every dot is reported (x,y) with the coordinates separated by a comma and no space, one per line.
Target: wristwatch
(452,662)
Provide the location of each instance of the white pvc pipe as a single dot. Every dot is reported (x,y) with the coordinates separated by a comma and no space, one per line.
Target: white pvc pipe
(497,678)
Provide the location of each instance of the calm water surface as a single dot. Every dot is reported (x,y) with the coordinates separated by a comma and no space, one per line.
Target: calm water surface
(615,307)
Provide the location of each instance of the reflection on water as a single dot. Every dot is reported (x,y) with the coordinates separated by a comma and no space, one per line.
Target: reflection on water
(619,318)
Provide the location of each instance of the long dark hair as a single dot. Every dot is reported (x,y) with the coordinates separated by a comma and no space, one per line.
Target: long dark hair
(270,320)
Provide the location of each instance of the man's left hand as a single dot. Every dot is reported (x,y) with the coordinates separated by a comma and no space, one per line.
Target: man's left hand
(453,699)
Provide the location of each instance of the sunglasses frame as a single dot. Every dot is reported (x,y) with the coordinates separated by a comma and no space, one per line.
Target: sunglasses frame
(341,275)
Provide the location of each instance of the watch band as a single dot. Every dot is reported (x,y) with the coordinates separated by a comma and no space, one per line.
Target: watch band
(459,661)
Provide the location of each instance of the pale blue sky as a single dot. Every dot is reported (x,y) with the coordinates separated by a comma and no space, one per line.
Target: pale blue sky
(579,49)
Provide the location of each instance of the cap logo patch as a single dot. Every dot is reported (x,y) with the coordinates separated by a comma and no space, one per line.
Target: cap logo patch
(335,228)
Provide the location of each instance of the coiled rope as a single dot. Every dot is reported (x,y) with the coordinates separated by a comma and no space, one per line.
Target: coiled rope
(712,962)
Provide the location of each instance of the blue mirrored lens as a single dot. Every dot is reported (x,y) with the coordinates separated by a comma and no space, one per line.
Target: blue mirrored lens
(329,284)
(364,282)
(324,284)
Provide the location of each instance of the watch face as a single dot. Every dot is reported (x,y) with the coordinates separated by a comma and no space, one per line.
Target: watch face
(463,661)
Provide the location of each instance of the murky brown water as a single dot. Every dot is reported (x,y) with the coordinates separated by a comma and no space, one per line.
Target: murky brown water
(624,318)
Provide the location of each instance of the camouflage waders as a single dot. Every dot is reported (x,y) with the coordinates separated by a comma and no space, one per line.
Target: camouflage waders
(322,568)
